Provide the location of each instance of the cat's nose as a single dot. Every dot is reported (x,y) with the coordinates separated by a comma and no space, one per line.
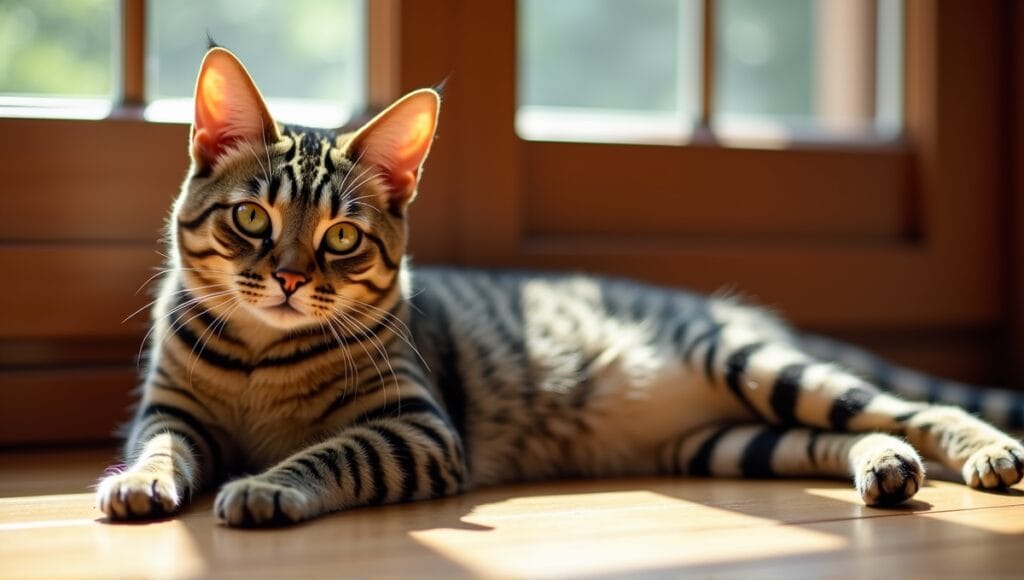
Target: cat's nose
(290,280)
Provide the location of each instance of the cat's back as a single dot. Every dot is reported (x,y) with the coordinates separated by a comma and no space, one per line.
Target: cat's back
(525,309)
(526,362)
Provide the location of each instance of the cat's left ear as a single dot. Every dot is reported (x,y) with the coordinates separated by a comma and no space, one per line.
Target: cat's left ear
(398,141)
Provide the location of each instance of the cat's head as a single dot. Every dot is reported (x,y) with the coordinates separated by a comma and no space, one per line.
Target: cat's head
(291,226)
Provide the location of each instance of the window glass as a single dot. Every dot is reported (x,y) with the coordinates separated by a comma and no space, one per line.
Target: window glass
(57,55)
(631,70)
(807,67)
(308,57)
(607,69)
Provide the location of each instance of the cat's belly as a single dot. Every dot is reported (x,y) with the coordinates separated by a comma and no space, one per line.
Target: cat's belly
(618,431)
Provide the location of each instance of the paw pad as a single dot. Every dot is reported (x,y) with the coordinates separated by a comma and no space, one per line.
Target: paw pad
(889,479)
(995,466)
(255,502)
(138,495)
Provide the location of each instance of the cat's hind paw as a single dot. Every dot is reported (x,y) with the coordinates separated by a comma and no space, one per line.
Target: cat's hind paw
(995,466)
(252,501)
(889,475)
(134,495)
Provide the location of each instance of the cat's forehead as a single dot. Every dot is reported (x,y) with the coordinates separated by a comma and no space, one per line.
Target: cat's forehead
(308,149)
(312,166)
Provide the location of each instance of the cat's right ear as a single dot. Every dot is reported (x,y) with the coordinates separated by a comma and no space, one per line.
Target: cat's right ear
(229,109)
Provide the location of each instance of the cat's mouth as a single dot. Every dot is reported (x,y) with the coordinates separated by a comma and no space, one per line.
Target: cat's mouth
(283,315)
(285,308)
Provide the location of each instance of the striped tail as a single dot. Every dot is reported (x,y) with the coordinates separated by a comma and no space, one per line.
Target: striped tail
(1001,407)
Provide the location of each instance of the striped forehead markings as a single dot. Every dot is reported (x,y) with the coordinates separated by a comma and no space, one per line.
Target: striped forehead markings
(311,162)
(308,162)
(324,172)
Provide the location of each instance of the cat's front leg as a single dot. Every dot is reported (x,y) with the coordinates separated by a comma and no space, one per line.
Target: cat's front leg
(154,485)
(168,454)
(417,456)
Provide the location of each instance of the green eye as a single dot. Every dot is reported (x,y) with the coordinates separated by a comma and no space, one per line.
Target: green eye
(252,219)
(341,238)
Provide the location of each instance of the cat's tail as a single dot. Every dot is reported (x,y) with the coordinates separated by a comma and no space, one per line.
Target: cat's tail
(1001,407)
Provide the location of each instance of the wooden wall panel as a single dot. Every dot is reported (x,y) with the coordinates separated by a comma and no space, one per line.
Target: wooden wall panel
(1014,102)
(796,195)
(67,180)
(40,406)
(82,290)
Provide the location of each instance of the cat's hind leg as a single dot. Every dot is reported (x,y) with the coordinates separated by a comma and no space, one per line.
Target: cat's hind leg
(986,457)
(776,382)
(779,384)
(885,469)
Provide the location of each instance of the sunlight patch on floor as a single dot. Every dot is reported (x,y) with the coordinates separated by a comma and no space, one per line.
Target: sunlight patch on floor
(999,517)
(70,549)
(7,502)
(35,525)
(613,532)
(1007,520)
(839,494)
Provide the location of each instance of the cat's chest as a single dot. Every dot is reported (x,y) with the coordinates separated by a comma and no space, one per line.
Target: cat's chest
(263,438)
(268,417)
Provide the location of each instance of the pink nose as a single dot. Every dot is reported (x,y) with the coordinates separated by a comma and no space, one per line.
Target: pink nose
(290,281)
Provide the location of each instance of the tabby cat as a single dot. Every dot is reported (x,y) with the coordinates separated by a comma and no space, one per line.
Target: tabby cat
(298,362)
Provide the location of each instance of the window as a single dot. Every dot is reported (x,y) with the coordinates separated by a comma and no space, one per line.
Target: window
(308,56)
(64,58)
(661,71)
(57,57)
(608,70)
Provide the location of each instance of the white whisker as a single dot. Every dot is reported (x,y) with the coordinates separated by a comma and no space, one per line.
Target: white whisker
(344,322)
(186,306)
(378,345)
(350,364)
(356,186)
(344,180)
(391,321)
(220,320)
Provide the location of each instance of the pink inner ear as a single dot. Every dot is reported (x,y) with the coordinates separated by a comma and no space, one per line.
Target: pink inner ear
(229,108)
(398,141)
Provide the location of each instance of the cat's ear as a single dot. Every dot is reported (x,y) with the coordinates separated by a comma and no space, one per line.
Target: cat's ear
(397,141)
(229,108)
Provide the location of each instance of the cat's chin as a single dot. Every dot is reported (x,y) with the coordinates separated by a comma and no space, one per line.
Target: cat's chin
(282,317)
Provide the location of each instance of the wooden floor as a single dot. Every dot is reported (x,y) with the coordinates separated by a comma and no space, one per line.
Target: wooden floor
(50,528)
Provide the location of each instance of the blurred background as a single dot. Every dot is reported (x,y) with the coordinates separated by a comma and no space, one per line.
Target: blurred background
(852,163)
(777,61)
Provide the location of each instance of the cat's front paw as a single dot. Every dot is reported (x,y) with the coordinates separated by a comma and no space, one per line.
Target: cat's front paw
(889,477)
(134,495)
(995,466)
(252,501)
